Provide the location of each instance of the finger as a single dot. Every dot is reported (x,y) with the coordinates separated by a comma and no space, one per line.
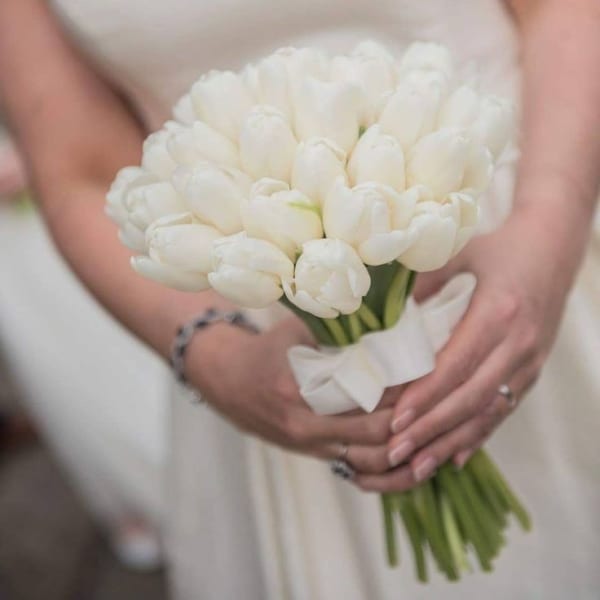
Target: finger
(520,384)
(469,434)
(397,480)
(463,403)
(428,284)
(368,459)
(458,360)
(362,430)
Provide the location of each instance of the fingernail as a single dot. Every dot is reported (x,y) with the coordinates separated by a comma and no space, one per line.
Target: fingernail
(403,420)
(462,457)
(425,468)
(400,453)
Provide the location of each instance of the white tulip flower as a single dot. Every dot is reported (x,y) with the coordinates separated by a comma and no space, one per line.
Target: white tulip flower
(155,157)
(411,110)
(377,157)
(267,144)
(136,199)
(487,119)
(199,142)
(427,55)
(221,99)
(283,216)
(441,229)
(183,111)
(372,68)
(126,179)
(439,160)
(317,165)
(329,109)
(372,218)
(329,279)
(275,78)
(213,194)
(178,253)
(248,271)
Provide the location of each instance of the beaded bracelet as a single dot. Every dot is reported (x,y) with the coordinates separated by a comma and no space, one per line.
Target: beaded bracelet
(186,332)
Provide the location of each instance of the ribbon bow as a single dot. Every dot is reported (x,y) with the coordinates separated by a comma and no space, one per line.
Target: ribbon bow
(336,380)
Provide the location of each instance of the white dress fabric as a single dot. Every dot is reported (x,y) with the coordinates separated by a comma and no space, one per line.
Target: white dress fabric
(97,395)
(248,520)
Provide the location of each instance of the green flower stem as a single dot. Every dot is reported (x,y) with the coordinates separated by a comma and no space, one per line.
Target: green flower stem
(387,503)
(407,510)
(503,487)
(396,297)
(315,324)
(482,479)
(337,332)
(354,327)
(455,540)
(463,512)
(425,503)
(487,529)
(368,317)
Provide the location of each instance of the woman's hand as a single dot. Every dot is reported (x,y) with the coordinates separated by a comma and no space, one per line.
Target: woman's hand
(247,378)
(524,272)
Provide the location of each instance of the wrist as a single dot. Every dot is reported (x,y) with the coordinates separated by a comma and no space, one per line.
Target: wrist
(209,354)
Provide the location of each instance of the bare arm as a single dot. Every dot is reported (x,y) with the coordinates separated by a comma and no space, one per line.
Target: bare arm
(75,133)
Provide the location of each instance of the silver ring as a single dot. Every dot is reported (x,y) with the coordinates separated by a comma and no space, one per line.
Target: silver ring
(341,468)
(511,399)
(343,452)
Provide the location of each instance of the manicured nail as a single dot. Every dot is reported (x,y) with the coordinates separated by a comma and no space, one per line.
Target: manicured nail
(403,420)
(425,468)
(462,457)
(402,451)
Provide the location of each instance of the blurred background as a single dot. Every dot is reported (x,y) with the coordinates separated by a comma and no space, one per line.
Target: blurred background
(55,542)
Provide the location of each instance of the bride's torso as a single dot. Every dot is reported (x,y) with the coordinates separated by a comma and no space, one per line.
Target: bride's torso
(156,49)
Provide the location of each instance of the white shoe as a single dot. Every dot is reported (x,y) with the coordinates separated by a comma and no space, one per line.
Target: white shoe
(137,547)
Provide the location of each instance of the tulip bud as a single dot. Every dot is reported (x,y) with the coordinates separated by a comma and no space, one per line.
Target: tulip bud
(411,111)
(329,279)
(267,144)
(372,69)
(127,178)
(438,161)
(286,218)
(440,231)
(494,124)
(487,119)
(328,109)
(248,271)
(178,253)
(214,194)
(377,157)
(199,142)
(365,217)
(274,79)
(183,111)
(317,165)
(221,99)
(156,158)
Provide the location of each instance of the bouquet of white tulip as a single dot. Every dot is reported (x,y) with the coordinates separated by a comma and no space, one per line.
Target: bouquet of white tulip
(328,183)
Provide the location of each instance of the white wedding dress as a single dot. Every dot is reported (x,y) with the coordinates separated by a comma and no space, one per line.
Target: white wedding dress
(98,397)
(250,521)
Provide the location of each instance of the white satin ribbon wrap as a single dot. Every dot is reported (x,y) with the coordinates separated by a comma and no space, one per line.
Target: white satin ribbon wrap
(336,380)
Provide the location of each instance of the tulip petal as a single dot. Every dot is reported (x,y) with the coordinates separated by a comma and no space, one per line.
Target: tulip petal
(185,281)
(197,143)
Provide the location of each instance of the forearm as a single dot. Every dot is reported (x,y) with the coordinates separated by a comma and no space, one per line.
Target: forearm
(75,133)
(559,173)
